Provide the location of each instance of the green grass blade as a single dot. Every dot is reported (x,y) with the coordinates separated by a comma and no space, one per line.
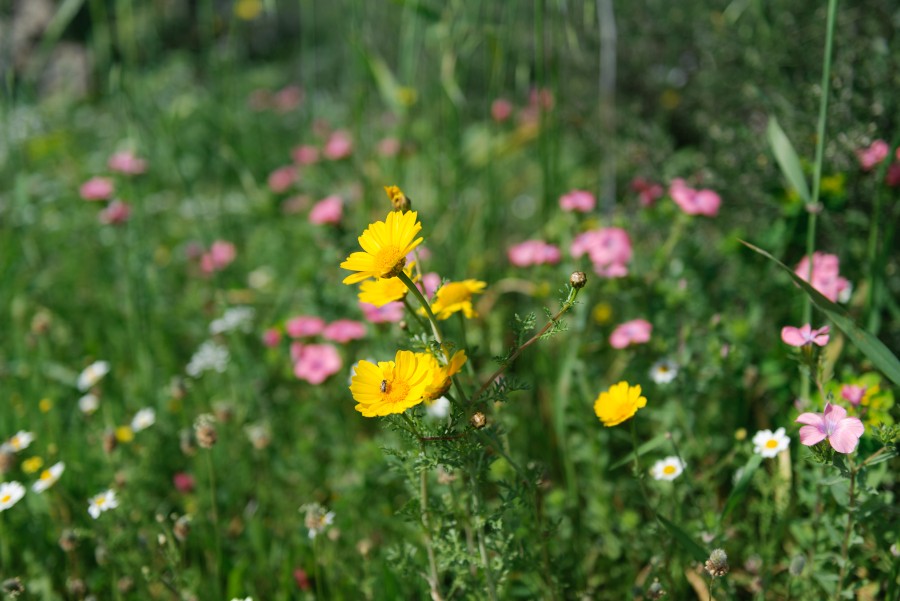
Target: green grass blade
(871,347)
(697,552)
(787,159)
(644,448)
(740,489)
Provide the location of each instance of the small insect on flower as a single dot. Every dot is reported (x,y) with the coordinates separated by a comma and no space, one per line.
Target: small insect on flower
(384,386)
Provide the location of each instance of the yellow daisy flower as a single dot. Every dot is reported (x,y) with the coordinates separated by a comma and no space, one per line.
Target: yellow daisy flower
(440,380)
(385,290)
(456,296)
(385,245)
(619,403)
(391,386)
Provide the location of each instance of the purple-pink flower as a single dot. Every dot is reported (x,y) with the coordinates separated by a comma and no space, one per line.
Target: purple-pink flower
(648,192)
(608,248)
(692,201)
(501,109)
(115,213)
(429,284)
(580,201)
(282,178)
(389,147)
(303,326)
(220,255)
(338,146)
(533,252)
(874,154)
(127,162)
(317,362)
(825,276)
(344,330)
(271,337)
(805,335)
(636,331)
(328,210)
(305,154)
(853,393)
(389,313)
(97,188)
(841,431)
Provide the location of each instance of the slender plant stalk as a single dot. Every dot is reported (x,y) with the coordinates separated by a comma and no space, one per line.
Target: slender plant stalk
(482,549)
(217,566)
(845,546)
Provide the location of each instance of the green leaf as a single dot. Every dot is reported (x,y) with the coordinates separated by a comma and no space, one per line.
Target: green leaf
(871,347)
(787,159)
(740,489)
(684,539)
(887,455)
(644,448)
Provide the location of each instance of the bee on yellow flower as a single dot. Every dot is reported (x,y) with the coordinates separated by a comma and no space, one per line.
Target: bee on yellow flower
(390,386)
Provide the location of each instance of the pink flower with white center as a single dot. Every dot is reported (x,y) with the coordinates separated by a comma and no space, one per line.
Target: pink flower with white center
(841,431)
(282,178)
(116,213)
(271,337)
(304,325)
(127,162)
(389,147)
(220,256)
(648,192)
(533,252)
(97,188)
(339,145)
(501,109)
(344,330)
(804,335)
(388,313)
(305,155)
(694,202)
(825,276)
(874,154)
(853,393)
(636,331)
(317,362)
(608,248)
(580,201)
(329,210)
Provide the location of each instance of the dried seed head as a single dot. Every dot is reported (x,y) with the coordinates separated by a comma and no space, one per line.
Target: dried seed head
(182,528)
(205,431)
(7,459)
(223,410)
(478,420)
(12,587)
(717,564)
(578,279)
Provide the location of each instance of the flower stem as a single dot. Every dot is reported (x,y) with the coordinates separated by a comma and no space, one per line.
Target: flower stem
(845,546)
(215,519)
(418,294)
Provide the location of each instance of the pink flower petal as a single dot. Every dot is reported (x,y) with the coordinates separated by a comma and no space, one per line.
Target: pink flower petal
(846,434)
(792,336)
(810,435)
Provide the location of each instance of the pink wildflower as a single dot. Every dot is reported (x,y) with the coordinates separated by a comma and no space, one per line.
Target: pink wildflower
(303,326)
(853,393)
(422,253)
(282,178)
(317,362)
(305,154)
(580,201)
(874,154)
(327,210)
(184,482)
(892,177)
(296,349)
(339,145)
(288,98)
(271,337)
(804,335)
(220,255)
(608,248)
(636,331)
(115,213)
(648,192)
(97,188)
(501,109)
(127,162)
(842,432)
(825,276)
(391,312)
(694,202)
(344,330)
(389,147)
(533,252)
(429,284)
(541,98)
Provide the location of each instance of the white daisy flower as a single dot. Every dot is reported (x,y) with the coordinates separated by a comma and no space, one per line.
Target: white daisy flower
(209,357)
(769,444)
(48,477)
(667,469)
(663,371)
(317,519)
(102,502)
(143,419)
(89,403)
(21,440)
(439,408)
(10,494)
(92,374)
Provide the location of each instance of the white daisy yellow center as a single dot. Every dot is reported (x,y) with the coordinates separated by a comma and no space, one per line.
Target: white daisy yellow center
(669,470)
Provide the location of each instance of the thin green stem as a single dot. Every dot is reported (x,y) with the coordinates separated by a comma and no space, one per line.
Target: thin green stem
(845,546)
(435,328)
(412,312)
(217,566)
(638,473)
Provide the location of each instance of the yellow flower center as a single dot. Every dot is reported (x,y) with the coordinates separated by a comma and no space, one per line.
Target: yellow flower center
(396,391)
(46,475)
(5,498)
(771,443)
(100,502)
(390,261)
(669,470)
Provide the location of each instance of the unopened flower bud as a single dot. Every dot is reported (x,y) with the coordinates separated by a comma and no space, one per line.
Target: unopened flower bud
(478,420)
(399,200)
(717,564)
(578,279)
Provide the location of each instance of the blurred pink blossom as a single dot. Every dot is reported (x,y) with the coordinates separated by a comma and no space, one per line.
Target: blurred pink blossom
(648,192)
(295,204)
(271,337)
(339,145)
(282,178)
(127,162)
(608,248)
(825,275)
(853,393)
(501,109)
(115,213)
(303,326)
(295,349)
(541,98)
(422,253)
(694,202)
(636,331)
(344,330)
(327,210)
(429,284)
(389,147)
(317,362)
(874,154)
(288,98)
(305,154)
(804,335)
(892,177)
(184,482)
(391,312)
(97,188)
(220,255)
(580,201)
(533,252)
(842,432)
